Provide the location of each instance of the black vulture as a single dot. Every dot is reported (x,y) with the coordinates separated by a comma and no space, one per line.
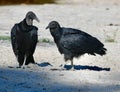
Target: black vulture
(24,38)
(74,43)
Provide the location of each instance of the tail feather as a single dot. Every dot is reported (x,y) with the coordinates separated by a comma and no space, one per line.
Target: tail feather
(101,51)
(29,59)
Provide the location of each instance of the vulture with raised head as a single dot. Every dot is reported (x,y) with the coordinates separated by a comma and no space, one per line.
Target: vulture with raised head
(24,38)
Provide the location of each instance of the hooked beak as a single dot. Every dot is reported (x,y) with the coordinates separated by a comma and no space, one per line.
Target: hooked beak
(37,19)
(47,27)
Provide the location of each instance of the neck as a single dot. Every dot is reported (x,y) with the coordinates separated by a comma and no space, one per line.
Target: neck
(56,33)
(29,21)
(24,26)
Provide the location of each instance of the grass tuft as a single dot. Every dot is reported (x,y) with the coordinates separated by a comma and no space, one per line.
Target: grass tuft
(111,38)
(4,37)
(45,40)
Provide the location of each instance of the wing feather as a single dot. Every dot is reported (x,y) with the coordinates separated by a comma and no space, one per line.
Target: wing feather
(79,42)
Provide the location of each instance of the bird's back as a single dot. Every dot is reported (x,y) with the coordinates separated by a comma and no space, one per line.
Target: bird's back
(79,42)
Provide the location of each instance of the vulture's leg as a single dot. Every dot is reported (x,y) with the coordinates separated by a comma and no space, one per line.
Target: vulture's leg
(23,66)
(20,58)
(72,65)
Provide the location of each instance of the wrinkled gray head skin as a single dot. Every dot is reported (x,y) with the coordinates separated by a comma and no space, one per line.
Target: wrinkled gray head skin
(53,25)
(30,16)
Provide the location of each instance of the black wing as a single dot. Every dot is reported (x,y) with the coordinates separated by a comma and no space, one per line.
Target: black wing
(78,41)
(34,35)
(13,39)
(67,31)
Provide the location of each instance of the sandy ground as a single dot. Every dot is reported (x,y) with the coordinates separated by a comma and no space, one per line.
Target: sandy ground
(93,73)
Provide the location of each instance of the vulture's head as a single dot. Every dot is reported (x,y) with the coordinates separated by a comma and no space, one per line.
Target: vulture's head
(53,25)
(30,16)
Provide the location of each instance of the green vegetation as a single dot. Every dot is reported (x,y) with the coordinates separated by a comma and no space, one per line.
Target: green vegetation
(4,2)
(4,37)
(110,38)
(45,40)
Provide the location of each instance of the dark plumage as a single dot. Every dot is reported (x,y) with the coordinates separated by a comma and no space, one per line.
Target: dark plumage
(74,43)
(24,39)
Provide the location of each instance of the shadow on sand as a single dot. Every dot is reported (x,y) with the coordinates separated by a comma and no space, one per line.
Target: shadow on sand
(19,80)
(76,67)
(84,67)
(44,64)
